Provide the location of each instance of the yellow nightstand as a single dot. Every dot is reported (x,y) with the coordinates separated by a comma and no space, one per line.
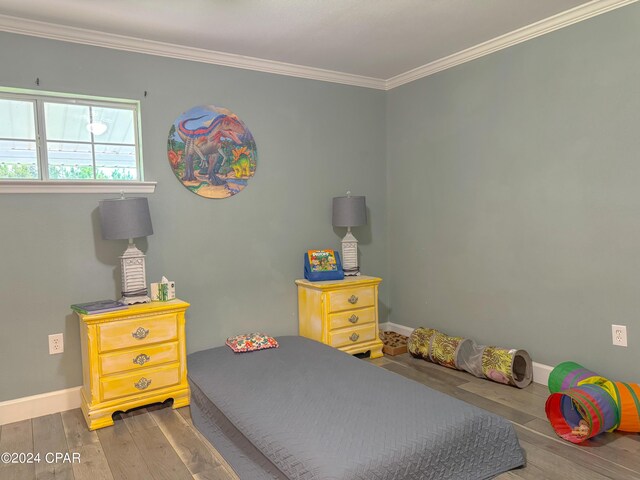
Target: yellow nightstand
(341,313)
(133,357)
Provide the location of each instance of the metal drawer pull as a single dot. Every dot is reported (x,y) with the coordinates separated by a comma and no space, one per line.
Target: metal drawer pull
(354,337)
(140,333)
(353,299)
(141,359)
(353,318)
(142,383)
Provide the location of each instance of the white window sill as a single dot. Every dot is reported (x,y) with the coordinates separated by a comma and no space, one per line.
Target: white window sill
(36,186)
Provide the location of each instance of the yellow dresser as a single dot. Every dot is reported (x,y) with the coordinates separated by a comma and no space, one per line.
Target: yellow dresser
(133,357)
(341,313)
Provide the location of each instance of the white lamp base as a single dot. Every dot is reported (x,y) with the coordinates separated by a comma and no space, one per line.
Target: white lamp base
(132,300)
(350,255)
(134,280)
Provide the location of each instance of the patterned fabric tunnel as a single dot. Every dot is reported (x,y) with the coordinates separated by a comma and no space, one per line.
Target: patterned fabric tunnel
(502,365)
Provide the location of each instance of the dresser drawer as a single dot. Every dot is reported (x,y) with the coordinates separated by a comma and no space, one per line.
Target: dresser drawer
(142,331)
(351,336)
(352,318)
(349,298)
(136,358)
(141,381)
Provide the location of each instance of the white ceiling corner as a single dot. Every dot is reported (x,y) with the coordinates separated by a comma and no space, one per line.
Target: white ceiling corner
(368,43)
(542,27)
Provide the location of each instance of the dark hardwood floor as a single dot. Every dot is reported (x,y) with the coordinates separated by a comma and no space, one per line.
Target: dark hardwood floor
(158,443)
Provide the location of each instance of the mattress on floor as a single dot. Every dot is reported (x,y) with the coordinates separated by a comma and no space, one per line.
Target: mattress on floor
(307,411)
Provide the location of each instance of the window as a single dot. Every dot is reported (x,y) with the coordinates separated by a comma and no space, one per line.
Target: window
(55,138)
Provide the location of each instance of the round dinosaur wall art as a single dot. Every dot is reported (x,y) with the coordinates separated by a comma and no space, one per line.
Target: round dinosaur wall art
(212,152)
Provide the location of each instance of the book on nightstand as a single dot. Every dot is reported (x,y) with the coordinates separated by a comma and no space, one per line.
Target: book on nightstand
(99,306)
(322,265)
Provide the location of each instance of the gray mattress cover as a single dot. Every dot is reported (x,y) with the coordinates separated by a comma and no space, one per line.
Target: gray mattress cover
(247,461)
(317,413)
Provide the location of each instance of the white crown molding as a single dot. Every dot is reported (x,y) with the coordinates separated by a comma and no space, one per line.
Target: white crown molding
(63,33)
(556,22)
(52,31)
(39,405)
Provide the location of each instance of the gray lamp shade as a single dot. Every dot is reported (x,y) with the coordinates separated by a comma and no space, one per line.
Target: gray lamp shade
(122,218)
(349,211)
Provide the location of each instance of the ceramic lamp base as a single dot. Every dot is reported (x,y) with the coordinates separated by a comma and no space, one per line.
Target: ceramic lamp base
(134,282)
(138,299)
(350,255)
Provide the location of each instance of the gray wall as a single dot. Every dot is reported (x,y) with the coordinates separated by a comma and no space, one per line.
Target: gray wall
(510,215)
(514,196)
(236,259)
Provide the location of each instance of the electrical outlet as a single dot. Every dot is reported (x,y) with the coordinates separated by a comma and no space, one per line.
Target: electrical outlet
(619,335)
(56,343)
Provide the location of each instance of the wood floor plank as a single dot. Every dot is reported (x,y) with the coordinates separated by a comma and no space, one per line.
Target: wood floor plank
(480,402)
(162,459)
(546,464)
(446,375)
(378,361)
(462,376)
(505,475)
(565,460)
(509,396)
(192,451)
(138,420)
(185,413)
(17,438)
(424,376)
(93,463)
(539,390)
(50,440)
(75,429)
(614,447)
(124,458)
(622,442)
(218,473)
(529,472)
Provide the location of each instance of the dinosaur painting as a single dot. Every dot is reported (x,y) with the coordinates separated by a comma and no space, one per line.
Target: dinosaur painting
(217,142)
(206,142)
(241,162)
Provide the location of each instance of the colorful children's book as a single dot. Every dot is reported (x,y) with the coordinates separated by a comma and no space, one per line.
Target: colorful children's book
(322,260)
(322,265)
(99,306)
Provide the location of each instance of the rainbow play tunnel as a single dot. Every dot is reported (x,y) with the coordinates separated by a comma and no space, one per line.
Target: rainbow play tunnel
(583,404)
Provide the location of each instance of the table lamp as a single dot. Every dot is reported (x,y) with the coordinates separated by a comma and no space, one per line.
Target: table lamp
(349,212)
(128,218)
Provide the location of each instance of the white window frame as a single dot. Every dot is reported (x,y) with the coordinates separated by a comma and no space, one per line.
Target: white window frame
(46,185)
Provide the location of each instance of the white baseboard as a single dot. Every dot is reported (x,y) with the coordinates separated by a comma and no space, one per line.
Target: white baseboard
(541,371)
(394,327)
(39,405)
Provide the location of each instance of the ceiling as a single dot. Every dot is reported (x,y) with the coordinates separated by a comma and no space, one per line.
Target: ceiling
(372,39)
